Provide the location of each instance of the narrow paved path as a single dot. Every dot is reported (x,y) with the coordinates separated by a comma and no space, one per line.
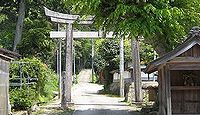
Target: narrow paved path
(89,102)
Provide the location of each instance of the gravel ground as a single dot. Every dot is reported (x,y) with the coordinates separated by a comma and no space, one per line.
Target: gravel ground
(89,102)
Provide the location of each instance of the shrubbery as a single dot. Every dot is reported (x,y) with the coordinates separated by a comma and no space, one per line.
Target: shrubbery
(42,91)
(22,99)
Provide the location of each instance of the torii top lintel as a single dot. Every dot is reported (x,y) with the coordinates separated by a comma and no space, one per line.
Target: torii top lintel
(67,18)
(58,20)
(60,15)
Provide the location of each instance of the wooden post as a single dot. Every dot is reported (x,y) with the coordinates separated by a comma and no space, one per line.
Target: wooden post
(160,74)
(74,56)
(67,84)
(162,93)
(92,60)
(168,91)
(136,70)
(59,71)
(121,67)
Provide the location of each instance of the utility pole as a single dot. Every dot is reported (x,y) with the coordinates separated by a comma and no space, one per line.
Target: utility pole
(121,67)
(136,69)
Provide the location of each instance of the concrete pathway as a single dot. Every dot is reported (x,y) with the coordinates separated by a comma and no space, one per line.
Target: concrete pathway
(89,102)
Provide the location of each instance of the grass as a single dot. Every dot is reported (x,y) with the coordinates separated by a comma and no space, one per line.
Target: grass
(54,112)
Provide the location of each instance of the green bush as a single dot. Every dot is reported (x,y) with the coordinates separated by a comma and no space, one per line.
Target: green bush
(22,98)
(40,92)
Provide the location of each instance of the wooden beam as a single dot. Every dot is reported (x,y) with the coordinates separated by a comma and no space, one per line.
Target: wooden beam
(56,34)
(87,18)
(60,15)
(68,18)
(59,20)
(85,22)
(64,21)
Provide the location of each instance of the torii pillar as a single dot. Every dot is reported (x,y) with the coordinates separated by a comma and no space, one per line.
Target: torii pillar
(66,95)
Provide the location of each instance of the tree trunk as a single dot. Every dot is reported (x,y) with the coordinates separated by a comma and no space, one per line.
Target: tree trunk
(19,26)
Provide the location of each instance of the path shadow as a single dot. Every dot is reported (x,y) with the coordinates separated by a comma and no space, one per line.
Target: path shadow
(103,104)
(105,112)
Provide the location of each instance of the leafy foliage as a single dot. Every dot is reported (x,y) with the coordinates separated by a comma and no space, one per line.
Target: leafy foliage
(22,98)
(83,50)
(42,91)
(107,54)
(35,30)
(147,53)
(37,40)
(106,59)
(162,23)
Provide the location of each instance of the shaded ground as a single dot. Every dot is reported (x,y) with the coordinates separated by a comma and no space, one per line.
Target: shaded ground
(53,108)
(89,102)
(53,112)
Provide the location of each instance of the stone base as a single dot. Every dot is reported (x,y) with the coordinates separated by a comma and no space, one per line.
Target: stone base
(68,105)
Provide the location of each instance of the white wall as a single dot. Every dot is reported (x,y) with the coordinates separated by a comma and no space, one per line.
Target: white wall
(116,76)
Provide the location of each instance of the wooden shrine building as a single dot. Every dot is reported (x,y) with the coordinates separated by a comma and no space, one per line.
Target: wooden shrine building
(5,57)
(179,77)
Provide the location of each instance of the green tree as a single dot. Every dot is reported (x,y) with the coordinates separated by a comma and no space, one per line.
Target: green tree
(107,58)
(83,49)
(7,23)
(147,53)
(162,22)
(35,31)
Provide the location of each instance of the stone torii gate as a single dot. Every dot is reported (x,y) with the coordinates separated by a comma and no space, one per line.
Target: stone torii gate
(70,34)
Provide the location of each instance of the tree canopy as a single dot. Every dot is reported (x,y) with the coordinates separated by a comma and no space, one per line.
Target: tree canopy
(35,39)
(161,22)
